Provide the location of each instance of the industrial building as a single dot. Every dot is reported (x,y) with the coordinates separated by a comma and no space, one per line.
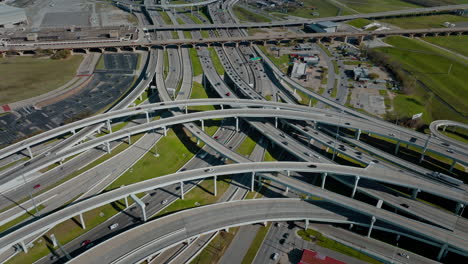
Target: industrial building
(11,16)
(321,27)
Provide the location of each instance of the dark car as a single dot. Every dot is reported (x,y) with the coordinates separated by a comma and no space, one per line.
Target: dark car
(228,94)
(286,235)
(37,186)
(404,205)
(86,242)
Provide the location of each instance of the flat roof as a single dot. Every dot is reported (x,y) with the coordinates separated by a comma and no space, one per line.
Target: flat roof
(327,24)
(11,14)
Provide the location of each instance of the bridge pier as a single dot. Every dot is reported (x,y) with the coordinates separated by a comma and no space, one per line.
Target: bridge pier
(442,251)
(452,165)
(182,190)
(202,124)
(30,152)
(165,131)
(129,139)
(310,101)
(458,209)
(397,147)
(324,178)
(108,147)
(358,134)
(276,122)
(147,117)
(414,194)
(215,178)
(109,128)
(355,186)
(260,179)
(140,204)
(306,224)
(371,226)
(23,246)
(126,202)
(237,124)
(252,182)
(425,148)
(83,225)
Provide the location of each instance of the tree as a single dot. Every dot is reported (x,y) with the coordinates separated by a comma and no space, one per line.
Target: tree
(61,54)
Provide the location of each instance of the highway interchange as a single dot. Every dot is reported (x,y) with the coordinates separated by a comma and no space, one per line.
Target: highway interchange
(267,118)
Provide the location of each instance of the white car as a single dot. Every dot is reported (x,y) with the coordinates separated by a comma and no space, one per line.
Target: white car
(164,201)
(113,226)
(275,256)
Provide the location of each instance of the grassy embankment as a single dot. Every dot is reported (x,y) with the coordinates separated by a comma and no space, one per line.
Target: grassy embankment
(430,66)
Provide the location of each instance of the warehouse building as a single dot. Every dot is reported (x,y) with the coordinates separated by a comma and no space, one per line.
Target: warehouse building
(11,16)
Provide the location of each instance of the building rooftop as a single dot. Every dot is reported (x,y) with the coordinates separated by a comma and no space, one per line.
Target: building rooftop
(327,24)
(11,15)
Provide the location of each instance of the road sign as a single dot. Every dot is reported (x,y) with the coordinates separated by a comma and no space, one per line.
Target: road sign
(416,116)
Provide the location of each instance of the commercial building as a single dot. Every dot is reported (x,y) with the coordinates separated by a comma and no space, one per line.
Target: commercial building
(299,70)
(11,16)
(311,60)
(361,73)
(321,27)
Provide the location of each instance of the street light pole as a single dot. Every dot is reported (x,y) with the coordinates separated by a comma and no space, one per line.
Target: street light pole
(30,194)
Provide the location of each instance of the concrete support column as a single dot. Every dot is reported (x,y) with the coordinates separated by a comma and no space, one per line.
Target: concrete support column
(126,202)
(397,147)
(306,224)
(276,122)
(414,194)
(286,190)
(453,165)
(83,225)
(358,134)
(202,125)
(129,139)
(459,208)
(442,251)
(310,101)
(260,179)
(222,107)
(324,178)
(371,226)
(147,117)
(30,152)
(237,124)
(215,178)
(425,148)
(108,147)
(182,190)
(54,240)
(165,131)
(186,110)
(109,128)
(73,131)
(252,182)
(23,246)
(140,204)
(140,97)
(288,173)
(355,186)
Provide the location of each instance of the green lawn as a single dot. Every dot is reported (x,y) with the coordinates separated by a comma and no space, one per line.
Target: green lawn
(455,43)
(166,64)
(457,136)
(246,15)
(20,219)
(26,77)
(435,21)
(101,65)
(196,65)
(370,6)
(359,22)
(430,66)
(256,243)
(173,154)
(323,241)
(216,248)
(216,62)
(199,92)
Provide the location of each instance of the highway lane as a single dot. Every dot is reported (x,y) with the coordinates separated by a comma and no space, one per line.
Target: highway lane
(434,127)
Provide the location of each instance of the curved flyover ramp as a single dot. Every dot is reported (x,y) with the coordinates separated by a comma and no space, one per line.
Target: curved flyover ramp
(434,127)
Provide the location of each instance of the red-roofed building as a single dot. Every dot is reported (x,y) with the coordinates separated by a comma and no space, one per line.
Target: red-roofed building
(312,257)
(6,108)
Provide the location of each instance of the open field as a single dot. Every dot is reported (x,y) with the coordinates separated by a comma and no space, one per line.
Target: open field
(370,6)
(323,8)
(435,21)
(26,77)
(430,66)
(455,43)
